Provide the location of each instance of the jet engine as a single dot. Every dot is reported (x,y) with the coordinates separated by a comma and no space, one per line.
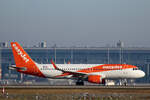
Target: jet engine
(96,79)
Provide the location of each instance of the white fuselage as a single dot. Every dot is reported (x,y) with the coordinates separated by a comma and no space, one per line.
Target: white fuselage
(49,71)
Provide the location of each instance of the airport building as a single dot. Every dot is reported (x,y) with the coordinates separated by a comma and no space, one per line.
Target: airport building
(76,55)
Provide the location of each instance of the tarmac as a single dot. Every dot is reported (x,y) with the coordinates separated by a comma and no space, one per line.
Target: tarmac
(75,92)
(75,87)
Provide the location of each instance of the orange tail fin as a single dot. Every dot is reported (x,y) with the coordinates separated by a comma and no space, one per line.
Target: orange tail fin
(22,59)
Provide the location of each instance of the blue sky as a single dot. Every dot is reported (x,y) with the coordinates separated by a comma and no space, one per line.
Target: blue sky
(75,22)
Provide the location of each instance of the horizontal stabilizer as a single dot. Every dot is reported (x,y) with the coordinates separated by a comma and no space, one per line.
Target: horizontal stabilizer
(17,68)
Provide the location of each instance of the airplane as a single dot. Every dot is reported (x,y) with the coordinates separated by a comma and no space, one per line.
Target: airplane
(93,73)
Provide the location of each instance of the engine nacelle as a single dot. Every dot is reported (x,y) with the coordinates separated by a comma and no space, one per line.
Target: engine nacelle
(96,79)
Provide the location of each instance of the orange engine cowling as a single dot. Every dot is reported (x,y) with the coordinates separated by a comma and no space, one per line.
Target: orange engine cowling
(95,79)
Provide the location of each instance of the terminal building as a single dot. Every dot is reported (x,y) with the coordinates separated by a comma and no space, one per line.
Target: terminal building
(76,55)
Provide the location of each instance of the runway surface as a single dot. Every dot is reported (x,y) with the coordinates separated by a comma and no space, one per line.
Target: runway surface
(75,93)
(76,87)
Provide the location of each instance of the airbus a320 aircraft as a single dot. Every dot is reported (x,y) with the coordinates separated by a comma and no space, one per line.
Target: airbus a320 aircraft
(94,73)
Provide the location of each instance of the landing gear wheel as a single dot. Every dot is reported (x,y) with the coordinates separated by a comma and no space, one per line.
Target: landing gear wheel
(104,82)
(125,82)
(80,82)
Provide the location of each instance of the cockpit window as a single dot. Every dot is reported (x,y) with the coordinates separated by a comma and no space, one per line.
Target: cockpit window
(135,68)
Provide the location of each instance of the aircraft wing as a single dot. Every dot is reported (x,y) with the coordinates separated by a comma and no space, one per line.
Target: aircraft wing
(75,74)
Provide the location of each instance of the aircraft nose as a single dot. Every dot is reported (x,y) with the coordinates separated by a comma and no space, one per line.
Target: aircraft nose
(142,74)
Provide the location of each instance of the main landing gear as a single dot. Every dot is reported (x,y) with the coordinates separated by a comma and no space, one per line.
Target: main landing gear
(104,82)
(80,83)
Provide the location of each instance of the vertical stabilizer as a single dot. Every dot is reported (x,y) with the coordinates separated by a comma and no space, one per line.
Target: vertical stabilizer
(24,61)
